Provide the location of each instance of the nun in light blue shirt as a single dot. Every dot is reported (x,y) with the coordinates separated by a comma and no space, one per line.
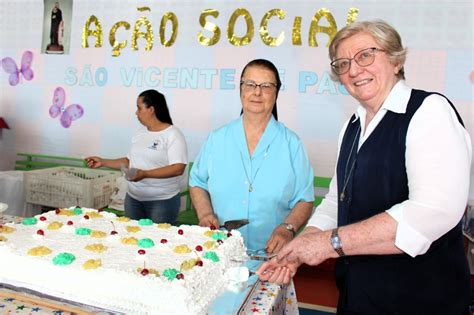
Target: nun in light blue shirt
(255,168)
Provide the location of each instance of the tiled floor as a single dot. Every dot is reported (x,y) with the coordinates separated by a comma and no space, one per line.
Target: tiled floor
(316,288)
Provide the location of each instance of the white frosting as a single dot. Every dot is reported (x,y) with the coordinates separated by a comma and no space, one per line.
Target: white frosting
(237,278)
(117,285)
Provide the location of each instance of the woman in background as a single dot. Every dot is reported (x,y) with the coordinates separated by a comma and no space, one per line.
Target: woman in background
(155,163)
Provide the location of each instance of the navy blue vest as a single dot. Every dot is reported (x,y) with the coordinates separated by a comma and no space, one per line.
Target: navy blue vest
(437,282)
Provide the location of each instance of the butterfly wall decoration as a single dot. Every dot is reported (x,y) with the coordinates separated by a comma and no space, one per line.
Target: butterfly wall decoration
(67,114)
(9,66)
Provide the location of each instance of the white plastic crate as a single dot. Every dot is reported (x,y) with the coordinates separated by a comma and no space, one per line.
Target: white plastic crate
(70,186)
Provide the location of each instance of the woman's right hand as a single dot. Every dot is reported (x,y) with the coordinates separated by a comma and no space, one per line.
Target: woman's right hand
(94,161)
(209,220)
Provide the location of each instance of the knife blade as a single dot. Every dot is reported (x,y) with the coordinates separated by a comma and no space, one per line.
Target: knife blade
(234,224)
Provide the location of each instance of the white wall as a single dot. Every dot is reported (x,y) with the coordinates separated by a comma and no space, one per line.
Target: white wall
(438,34)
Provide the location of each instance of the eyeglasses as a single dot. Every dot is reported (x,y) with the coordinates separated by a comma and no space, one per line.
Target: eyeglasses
(265,87)
(363,58)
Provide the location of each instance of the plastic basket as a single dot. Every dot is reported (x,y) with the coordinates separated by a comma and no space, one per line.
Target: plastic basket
(70,186)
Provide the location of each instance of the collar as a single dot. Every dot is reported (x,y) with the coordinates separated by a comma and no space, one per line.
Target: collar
(271,130)
(396,101)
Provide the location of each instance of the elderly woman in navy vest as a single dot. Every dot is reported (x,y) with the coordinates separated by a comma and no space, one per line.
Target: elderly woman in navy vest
(393,211)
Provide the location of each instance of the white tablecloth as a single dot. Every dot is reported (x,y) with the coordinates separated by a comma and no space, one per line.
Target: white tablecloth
(12,193)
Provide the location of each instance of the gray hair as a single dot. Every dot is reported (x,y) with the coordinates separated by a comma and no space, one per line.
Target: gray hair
(382,32)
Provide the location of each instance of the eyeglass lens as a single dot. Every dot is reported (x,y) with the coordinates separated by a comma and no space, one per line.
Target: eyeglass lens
(264,86)
(363,58)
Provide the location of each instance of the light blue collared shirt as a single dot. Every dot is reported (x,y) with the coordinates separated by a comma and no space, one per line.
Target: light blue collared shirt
(279,172)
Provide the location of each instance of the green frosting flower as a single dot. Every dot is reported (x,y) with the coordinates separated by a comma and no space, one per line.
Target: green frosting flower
(146,243)
(83,231)
(212,256)
(30,221)
(219,235)
(77,211)
(145,222)
(64,259)
(170,273)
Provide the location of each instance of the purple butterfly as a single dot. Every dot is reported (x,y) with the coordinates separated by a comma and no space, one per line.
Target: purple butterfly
(68,114)
(10,67)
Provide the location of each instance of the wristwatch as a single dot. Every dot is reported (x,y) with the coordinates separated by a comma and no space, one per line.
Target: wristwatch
(289,227)
(337,243)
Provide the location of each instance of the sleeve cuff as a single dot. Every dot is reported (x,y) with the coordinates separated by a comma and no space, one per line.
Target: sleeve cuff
(407,238)
(322,222)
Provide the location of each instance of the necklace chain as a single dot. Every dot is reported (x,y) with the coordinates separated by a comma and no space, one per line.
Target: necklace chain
(256,172)
(348,176)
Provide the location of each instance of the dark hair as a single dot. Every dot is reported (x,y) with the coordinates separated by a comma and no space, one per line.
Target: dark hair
(269,66)
(158,101)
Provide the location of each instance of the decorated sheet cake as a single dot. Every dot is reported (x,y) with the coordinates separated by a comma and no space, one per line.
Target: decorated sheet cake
(123,265)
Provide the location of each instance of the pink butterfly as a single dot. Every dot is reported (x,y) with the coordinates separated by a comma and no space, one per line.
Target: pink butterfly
(68,114)
(10,67)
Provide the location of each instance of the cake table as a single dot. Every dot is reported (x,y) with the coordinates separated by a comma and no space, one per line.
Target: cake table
(255,297)
(259,298)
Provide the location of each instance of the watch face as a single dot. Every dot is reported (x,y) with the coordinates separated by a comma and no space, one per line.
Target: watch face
(336,242)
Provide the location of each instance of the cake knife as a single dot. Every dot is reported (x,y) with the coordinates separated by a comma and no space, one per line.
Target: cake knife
(234,224)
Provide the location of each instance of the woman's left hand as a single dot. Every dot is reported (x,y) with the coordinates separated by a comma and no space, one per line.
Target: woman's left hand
(280,272)
(280,237)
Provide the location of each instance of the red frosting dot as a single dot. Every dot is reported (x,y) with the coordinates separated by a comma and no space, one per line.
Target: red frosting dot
(70,223)
(220,241)
(144,272)
(113,232)
(86,217)
(58,211)
(229,234)
(40,232)
(199,248)
(180,232)
(42,218)
(179,276)
(164,241)
(213,227)
(141,252)
(199,263)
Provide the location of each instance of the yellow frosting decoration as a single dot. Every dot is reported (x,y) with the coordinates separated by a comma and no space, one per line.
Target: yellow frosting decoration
(92,264)
(6,229)
(129,241)
(209,233)
(163,225)
(98,234)
(94,214)
(99,248)
(209,244)
(133,229)
(188,264)
(3,239)
(182,249)
(55,225)
(123,219)
(39,251)
(66,212)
